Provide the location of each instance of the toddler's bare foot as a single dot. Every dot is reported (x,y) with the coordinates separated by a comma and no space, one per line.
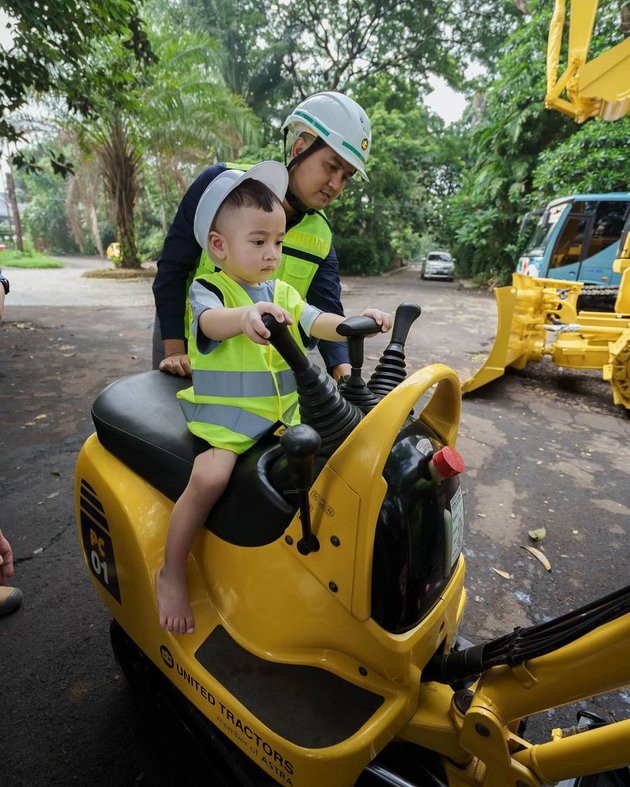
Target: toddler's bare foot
(174,606)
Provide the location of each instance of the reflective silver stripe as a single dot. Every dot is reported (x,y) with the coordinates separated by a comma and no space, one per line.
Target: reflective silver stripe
(286,381)
(229,385)
(233,418)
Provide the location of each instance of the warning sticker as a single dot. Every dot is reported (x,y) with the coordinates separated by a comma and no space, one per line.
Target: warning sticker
(457,513)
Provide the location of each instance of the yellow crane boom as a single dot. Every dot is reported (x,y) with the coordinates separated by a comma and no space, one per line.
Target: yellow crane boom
(592,88)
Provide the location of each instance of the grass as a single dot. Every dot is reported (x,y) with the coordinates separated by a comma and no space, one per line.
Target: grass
(28,259)
(120,273)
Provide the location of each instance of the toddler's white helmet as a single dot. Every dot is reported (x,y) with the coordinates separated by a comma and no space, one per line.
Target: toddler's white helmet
(339,122)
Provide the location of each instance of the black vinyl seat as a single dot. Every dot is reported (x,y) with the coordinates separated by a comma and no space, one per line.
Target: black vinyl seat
(138,419)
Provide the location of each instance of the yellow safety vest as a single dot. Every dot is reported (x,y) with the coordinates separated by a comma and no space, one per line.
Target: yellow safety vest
(305,247)
(241,389)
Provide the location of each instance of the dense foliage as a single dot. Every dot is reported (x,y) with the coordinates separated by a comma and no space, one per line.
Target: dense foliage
(53,43)
(593,159)
(520,155)
(145,94)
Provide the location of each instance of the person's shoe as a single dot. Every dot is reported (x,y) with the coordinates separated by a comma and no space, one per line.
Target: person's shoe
(10,599)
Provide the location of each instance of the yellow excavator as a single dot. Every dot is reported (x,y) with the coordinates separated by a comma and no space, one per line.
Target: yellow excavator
(538,317)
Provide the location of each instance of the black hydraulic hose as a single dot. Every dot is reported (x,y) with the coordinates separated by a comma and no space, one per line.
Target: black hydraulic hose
(527,643)
(550,636)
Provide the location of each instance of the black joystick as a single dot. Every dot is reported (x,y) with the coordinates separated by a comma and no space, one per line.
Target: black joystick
(390,370)
(301,443)
(353,387)
(321,404)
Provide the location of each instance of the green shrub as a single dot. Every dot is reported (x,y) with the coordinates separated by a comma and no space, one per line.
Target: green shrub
(360,257)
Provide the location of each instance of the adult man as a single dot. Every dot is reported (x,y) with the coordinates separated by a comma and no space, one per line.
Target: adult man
(329,139)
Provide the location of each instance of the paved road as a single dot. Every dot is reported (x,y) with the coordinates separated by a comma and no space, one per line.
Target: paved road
(542,447)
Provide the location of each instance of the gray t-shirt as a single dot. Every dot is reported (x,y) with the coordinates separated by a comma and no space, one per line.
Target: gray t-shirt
(201,299)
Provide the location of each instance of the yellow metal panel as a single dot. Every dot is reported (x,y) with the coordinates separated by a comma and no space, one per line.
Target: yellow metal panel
(607,76)
(269,604)
(554,43)
(594,750)
(617,370)
(432,725)
(599,663)
(581,21)
(334,513)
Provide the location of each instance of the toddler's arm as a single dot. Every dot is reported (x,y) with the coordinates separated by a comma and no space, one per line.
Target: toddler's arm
(224,323)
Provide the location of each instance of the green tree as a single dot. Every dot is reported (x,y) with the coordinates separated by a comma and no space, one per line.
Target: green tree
(180,104)
(253,53)
(52,53)
(593,159)
(337,44)
(45,221)
(373,221)
(505,135)
(502,136)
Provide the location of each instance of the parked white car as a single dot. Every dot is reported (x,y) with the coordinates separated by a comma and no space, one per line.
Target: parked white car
(438,265)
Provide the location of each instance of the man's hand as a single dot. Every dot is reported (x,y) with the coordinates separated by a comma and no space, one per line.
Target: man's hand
(253,326)
(6,559)
(341,370)
(175,359)
(176,364)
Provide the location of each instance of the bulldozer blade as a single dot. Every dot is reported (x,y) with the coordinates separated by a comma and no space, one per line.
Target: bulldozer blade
(524,308)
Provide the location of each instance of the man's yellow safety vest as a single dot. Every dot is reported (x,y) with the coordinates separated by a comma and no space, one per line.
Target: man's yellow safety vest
(241,389)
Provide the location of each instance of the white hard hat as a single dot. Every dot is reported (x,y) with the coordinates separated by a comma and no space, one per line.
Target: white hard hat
(340,122)
(272,173)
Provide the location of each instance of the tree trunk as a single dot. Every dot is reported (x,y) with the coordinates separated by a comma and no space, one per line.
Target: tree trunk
(163,196)
(15,211)
(72,213)
(121,165)
(96,235)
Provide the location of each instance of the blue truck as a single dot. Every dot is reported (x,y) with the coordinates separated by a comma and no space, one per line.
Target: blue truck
(576,238)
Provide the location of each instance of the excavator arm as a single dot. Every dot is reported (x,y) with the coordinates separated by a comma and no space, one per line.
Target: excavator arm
(592,88)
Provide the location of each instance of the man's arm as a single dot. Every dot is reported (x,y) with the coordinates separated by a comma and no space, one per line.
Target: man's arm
(180,256)
(325,294)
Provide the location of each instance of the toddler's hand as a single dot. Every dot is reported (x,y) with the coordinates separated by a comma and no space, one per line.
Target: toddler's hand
(253,326)
(383,319)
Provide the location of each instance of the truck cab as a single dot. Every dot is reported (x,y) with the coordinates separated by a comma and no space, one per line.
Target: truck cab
(576,238)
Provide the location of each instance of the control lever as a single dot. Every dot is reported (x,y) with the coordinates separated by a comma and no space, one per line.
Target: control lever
(390,370)
(353,388)
(301,442)
(321,405)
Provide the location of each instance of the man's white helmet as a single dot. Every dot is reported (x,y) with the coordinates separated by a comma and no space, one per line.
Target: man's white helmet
(339,121)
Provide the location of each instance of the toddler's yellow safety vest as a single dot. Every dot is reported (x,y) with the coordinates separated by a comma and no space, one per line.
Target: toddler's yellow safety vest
(241,389)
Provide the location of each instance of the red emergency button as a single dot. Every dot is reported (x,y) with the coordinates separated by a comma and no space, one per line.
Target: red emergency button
(448,462)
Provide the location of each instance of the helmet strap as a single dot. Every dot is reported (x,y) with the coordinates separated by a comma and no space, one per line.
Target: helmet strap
(290,197)
(315,145)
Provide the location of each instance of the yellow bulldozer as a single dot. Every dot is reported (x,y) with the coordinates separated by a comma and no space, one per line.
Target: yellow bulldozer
(539,317)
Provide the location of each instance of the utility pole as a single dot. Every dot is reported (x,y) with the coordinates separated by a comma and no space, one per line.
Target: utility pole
(14,210)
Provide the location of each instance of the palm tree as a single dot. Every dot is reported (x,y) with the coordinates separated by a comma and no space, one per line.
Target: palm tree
(182,111)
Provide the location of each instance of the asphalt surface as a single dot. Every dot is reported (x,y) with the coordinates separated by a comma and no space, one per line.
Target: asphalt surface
(543,447)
